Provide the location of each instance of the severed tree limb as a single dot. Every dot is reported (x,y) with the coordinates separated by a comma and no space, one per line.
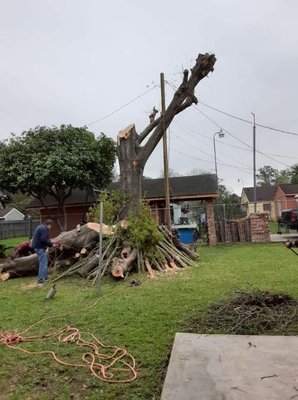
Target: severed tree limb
(121,266)
(149,268)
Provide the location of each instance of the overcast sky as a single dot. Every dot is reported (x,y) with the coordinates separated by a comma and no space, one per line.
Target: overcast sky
(81,62)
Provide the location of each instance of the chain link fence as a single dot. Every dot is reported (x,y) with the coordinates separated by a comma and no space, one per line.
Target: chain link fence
(229,220)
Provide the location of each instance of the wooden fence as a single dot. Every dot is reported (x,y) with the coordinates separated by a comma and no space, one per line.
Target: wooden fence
(233,231)
(10,229)
(252,229)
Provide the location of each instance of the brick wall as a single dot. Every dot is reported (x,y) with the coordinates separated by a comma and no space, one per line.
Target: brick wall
(259,228)
(211,223)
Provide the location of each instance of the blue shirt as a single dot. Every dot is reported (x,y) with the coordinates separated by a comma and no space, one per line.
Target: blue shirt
(41,237)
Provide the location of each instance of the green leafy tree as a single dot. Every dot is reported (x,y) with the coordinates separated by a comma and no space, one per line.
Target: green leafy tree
(271,176)
(267,175)
(112,201)
(53,161)
(294,174)
(284,176)
(231,201)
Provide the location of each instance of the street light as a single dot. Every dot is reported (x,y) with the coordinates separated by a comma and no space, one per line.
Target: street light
(221,135)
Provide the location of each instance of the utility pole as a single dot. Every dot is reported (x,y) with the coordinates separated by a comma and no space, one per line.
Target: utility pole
(98,275)
(254,163)
(165,154)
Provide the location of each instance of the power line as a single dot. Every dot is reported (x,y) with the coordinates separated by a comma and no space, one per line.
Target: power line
(246,120)
(120,108)
(239,118)
(211,155)
(209,162)
(239,140)
(189,130)
(235,137)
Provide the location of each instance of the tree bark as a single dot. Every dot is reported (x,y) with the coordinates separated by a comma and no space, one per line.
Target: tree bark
(121,266)
(132,155)
(75,239)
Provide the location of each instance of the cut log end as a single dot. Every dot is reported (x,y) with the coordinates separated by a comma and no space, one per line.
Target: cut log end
(118,272)
(5,276)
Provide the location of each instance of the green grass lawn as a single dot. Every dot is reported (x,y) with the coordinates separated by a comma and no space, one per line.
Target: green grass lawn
(143,319)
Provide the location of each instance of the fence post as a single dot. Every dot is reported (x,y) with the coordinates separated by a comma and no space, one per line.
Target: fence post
(30,226)
(225,220)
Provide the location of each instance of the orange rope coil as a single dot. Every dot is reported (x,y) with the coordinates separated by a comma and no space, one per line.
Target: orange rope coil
(106,367)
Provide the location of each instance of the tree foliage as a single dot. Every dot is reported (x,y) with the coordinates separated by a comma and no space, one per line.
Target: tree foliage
(142,231)
(294,174)
(112,201)
(267,175)
(52,161)
(271,176)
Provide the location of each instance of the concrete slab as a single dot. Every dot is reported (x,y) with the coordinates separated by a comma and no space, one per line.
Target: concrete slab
(284,237)
(232,367)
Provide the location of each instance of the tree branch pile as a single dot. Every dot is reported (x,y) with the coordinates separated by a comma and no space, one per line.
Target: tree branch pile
(119,258)
(78,254)
(249,313)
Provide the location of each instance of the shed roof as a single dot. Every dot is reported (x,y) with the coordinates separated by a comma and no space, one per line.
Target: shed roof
(264,193)
(77,197)
(181,187)
(194,186)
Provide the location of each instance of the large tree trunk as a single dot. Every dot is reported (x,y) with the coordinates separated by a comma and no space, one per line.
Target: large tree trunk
(132,156)
(74,240)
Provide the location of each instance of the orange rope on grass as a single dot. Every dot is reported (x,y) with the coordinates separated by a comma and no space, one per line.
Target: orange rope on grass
(106,367)
(103,366)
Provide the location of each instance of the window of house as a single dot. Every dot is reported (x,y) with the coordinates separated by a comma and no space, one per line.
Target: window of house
(267,207)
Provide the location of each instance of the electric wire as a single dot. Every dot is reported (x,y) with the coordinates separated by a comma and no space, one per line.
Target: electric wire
(234,136)
(208,161)
(123,106)
(189,130)
(239,140)
(219,161)
(246,120)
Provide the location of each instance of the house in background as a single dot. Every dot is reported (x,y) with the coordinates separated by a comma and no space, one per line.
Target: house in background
(11,214)
(77,205)
(285,197)
(264,200)
(270,199)
(188,188)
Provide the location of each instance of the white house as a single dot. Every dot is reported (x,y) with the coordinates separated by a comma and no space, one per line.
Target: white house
(11,214)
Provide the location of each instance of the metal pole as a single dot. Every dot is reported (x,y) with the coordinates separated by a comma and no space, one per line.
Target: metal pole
(98,276)
(254,163)
(214,149)
(165,155)
(225,220)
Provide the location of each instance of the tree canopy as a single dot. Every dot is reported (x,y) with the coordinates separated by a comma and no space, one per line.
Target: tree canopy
(294,173)
(54,160)
(271,176)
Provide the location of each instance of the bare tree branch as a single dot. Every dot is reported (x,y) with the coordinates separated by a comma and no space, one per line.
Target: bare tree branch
(184,97)
(148,129)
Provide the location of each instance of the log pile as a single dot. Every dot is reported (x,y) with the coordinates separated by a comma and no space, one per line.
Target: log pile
(78,254)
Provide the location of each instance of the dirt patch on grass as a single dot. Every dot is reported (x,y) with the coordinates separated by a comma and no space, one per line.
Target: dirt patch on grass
(248,313)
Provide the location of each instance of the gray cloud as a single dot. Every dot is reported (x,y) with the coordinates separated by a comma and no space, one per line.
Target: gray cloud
(74,62)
